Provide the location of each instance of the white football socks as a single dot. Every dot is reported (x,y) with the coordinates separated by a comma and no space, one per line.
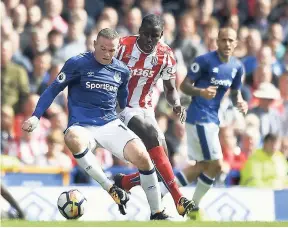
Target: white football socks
(151,187)
(88,162)
(204,183)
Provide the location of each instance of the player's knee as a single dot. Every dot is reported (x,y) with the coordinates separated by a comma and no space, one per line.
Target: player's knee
(76,141)
(145,131)
(151,137)
(143,161)
(214,167)
(135,152)
(196,166)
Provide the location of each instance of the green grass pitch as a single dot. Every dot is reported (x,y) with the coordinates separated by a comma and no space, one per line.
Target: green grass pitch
(18,223)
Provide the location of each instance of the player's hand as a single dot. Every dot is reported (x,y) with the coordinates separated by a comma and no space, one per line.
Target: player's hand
(30,124)
(180,111)
(209,93)
(242,106)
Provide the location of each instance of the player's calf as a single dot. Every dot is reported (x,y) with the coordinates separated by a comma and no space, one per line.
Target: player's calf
(136,153)
(206,179)
(149,135)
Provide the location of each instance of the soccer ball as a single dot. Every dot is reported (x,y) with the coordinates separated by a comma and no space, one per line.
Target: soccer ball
(71,204)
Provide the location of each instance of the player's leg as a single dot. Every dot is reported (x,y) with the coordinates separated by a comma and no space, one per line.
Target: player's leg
(187,175)
(126,145)
(11,200)
(150,118)
(136,153)
(133,179)
(205,180)
(210,156)
(146,128)
(204,147)
(77,139)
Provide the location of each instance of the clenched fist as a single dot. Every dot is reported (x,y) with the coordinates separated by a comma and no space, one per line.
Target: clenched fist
(209,93)
(30,124)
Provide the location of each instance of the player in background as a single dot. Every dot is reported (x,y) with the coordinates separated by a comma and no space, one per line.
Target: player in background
(95,82)
(208,79)
(149,59)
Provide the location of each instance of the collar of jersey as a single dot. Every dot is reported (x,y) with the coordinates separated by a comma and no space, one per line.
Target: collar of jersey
(219,57)
(146,53)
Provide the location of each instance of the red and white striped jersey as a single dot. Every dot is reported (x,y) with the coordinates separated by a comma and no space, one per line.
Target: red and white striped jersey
(146,69)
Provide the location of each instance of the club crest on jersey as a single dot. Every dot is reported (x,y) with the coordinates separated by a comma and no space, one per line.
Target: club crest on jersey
(215,70)
(154,60)
(117,77)
(61,77)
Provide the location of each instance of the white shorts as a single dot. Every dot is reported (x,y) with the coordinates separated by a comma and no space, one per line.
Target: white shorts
(112,136)
(203,142)
(147,114)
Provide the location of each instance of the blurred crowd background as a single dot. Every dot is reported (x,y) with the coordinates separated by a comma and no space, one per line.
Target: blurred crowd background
(38,36)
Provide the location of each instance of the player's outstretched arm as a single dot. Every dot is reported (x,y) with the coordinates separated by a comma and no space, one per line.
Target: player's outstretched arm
(63,79)
(43,104)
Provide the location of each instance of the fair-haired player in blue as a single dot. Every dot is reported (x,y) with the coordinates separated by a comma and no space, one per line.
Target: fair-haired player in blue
(96,80)
(209,78)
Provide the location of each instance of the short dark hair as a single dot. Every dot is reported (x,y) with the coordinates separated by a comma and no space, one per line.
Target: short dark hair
(270,137)
(154,20)
(225,28)
(108,33)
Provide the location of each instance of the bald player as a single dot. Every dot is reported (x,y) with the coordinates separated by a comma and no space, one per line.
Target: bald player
(208,79)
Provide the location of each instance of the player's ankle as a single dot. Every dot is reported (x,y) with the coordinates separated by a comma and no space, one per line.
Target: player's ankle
(109,188)
(176,197)
(126,183)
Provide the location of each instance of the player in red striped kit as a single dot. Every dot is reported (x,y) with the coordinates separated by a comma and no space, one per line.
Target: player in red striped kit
(149,59)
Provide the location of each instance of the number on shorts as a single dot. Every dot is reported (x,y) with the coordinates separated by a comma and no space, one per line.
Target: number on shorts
(122,127)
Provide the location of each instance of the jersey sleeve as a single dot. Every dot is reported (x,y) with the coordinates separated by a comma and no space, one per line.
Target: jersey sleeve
(196,68)
(64,78)
(237,80)
(122,94)
(169,71)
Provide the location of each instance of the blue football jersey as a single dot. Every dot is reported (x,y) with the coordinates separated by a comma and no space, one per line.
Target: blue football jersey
(208,70)
(93,90)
